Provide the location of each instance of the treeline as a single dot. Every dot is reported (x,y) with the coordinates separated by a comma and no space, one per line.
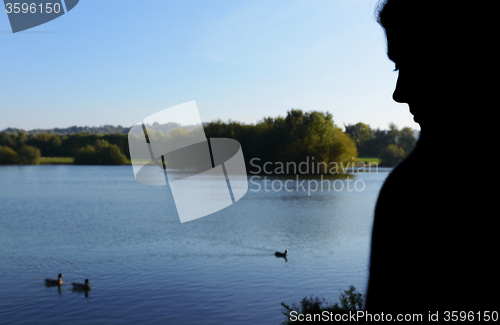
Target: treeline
(105,129)
(289,139)
(390,145)
(24,155)
(91,149)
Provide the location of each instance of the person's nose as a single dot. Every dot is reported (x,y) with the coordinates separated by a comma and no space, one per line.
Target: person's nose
(400,95)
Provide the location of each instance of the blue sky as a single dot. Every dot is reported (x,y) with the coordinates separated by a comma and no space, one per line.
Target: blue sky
(118,61)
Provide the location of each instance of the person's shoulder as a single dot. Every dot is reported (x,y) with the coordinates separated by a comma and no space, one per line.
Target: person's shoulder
(400,187)
(403,174)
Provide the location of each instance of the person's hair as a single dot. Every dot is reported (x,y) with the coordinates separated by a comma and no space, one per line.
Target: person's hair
(450,26)
(452,37)
(432,28)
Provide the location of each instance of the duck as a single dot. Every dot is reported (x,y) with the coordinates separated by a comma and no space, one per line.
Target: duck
(278,254)
(81,286)
(54,281)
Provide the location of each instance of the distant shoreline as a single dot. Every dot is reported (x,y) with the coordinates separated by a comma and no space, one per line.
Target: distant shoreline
(65,161)
(368,164)
(56,161)
(70,160)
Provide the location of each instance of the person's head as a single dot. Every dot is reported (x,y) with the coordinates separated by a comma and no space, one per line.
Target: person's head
(434,45)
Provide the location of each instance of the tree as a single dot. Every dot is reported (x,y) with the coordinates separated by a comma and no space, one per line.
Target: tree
(48,144)
(361,133)
(110,155)
(84,155)
(393,134)
(20,140)
(391,155)
(298,137)
(29,155)
(371,143)
(101,153)
(350,301)
(312,136)
(72,142)
(407,140)
(7,140)
(8,156)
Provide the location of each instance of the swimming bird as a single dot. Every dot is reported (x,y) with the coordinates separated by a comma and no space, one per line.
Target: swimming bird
(81,286)
(54,281)
(278,254)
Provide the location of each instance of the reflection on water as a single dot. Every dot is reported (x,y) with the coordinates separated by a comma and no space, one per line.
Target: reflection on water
(51,285)
(97,222)
(81,291)
(284,257)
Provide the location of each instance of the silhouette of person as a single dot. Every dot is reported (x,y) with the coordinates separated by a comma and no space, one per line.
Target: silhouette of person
(433,239)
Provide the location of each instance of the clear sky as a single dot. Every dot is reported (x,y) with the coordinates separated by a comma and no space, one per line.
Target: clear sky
(118,61)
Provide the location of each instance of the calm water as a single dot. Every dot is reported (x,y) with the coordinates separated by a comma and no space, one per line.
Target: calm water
(146,267)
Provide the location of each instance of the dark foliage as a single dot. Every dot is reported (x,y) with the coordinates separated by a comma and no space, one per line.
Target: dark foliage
(293,138)
(350,300)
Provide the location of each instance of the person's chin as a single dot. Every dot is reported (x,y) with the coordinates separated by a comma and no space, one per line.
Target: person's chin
(417,116)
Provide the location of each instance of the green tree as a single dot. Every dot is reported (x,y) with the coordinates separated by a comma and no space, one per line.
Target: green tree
(101,153)
(312,135)
(48,144)
(407,140)
(351,300)
(84,155)
(393,134)
(119,139)
(295,138)
(110,155)
(391,155)
(323,145)
(8,156)
(361,134)
(20,140)
(72,142)
(7,140)
(29,155)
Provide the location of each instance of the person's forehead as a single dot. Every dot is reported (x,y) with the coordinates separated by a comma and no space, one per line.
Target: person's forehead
(401,48)
(392,56)
(393,51)
(412,47)
(395,42)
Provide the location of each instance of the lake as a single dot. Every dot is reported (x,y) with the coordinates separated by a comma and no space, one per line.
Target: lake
(146,267)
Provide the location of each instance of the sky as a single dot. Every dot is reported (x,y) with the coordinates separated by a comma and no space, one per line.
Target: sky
(119,61)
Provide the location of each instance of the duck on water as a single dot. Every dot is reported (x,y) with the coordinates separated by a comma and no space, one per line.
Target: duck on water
(81,286)
(278,254)
(54,281)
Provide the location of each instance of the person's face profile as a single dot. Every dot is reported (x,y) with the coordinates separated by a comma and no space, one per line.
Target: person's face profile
(406,88)
(418,84)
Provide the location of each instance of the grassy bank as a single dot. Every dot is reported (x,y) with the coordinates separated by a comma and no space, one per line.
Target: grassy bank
(63,161)
(56,160)
(369,160)
(70,160)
